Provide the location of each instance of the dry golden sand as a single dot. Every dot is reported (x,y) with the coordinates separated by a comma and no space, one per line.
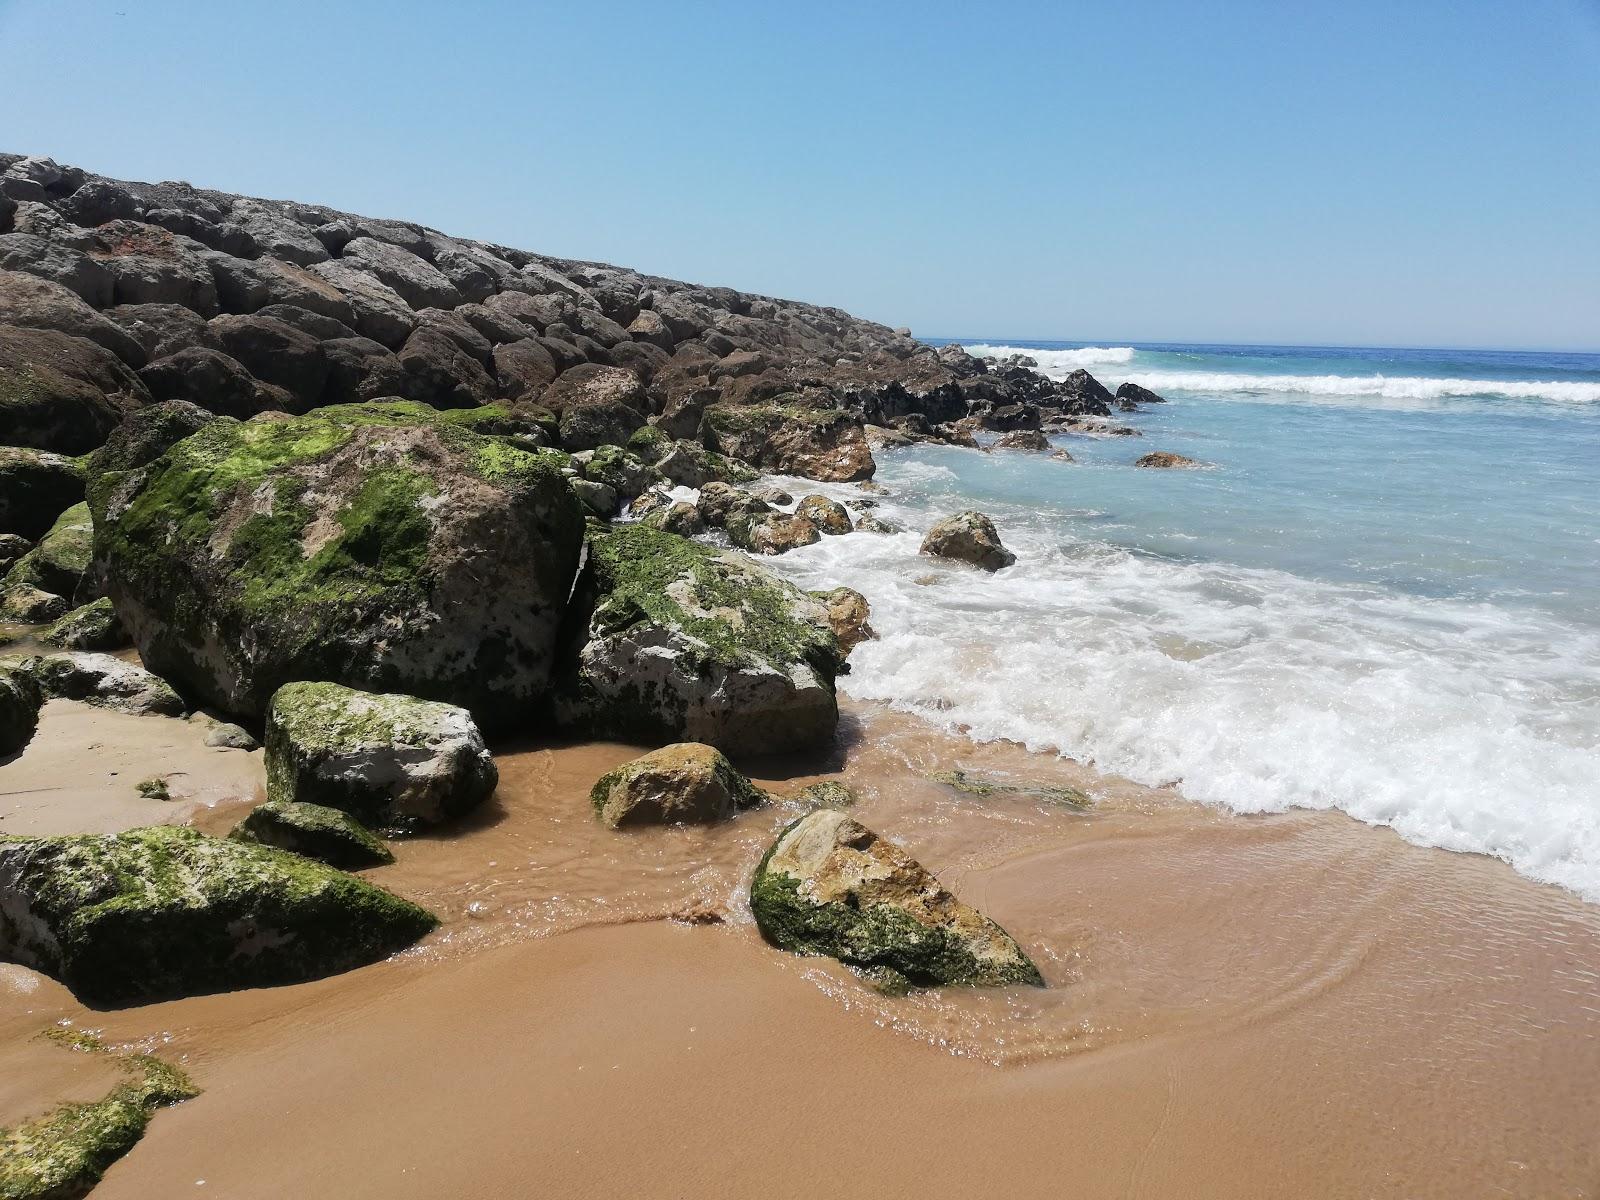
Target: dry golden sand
(1286,1006)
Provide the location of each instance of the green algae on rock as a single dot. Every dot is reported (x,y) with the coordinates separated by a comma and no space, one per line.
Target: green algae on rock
(394,762)
(147,434)
(64,1153)
(326,834)
(60,560)
(679,641)
(380,545)
(830,886)
(163,912)
(987,785)
(826,793)
(93,626)
(685,783)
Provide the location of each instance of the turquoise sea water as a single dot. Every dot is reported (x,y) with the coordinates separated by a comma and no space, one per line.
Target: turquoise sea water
(1380,594)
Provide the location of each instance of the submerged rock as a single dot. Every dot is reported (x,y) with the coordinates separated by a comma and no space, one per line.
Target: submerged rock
(968,537)
(385,546)
(678,641)
(1165,460)
(163,912)
(826,793)
(830,886)
(94,626)
(685,783)
(394,762)
(326,834)
(20,701)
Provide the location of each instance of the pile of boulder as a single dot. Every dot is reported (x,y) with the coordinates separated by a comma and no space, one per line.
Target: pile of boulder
(349,482)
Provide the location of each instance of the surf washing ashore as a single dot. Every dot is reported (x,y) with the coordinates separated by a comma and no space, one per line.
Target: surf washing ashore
(483,723)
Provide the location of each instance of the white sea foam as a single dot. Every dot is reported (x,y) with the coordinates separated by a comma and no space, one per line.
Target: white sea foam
(1059,362)
(1384,387)
(1464,726)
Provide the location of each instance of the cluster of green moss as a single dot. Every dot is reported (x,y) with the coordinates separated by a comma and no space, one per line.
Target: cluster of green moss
(314,830)
(741,615)
(64,1153)
(877,937)
(163,911)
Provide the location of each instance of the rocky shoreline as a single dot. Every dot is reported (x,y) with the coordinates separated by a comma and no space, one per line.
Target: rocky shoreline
(381,497)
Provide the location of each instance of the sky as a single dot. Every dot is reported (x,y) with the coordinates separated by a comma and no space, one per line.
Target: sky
(1354,173)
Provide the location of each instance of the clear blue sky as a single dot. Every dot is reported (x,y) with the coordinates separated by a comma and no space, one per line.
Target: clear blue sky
(1403,172)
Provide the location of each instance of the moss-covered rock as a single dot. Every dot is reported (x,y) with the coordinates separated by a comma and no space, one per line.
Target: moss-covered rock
(394,762)
(826,793)
(162,912)
(147,434)
(830,886)
(678,641)
(24,604)
(20,701)
(685,783)
(101,680)
(92,626)
(64,1153)
(689,464)
(315,831)
(380,545)
(60,561)
(35,488)
(771,533)
(619,470)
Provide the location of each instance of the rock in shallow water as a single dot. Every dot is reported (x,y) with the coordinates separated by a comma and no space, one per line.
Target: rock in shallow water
(685,783)
(164,912)
(830,886)
(314,831)
(395,762)
(968,537)
(1165,459)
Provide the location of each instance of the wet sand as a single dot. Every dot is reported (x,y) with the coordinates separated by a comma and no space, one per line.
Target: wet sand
(1276,1006)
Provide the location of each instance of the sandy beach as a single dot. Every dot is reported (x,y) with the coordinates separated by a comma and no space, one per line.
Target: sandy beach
(1287,1005)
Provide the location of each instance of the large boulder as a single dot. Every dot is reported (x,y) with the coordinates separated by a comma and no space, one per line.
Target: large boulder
(418,282)
(60,560)
(381,546)
(1132,393)
(163,912)
(791,438)
(687,783)
(1084,393)
(34,303)
(62,393)
(20,700)
(968,537)
(102,680)
(677,641)
(207,378)
(36,487)
(394,762)
(597,405)
(830,886)
(315,831)
(63,264)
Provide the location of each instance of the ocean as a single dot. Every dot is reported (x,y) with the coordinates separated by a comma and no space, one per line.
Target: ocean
(1380,594)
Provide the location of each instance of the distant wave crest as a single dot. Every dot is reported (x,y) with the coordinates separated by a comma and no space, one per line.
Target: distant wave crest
(1386,387)
(1060,360)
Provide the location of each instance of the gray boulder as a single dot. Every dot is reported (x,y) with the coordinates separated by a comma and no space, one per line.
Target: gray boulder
(968,537)
(394,762)
(100,680)
(35,303)
(62,393)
